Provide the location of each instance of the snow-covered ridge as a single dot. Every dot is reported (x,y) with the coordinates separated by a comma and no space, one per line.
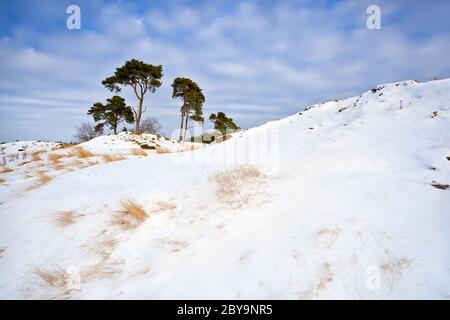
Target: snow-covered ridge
(344,104)
(13,153)
(29,163)
(357,208)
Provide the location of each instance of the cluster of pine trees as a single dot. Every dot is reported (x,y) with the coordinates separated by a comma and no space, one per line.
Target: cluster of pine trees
(144,78)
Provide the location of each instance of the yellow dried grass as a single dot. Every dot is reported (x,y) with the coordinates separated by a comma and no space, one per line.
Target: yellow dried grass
(138,152)
(54,157)
(112,157)
(80,152)
(65,218)
(5,169)
(132,214)
(42,179)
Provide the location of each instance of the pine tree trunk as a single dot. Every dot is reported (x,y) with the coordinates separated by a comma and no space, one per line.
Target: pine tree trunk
(186,124)
(138,123)
(181,126)
(114,124)
(139,115)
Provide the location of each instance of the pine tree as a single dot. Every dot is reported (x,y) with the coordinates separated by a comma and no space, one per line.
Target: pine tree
(142,77)
(223,123)
(193,100)
(112,113)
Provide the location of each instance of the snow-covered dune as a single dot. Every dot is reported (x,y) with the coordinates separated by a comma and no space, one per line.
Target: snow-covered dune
(347,199)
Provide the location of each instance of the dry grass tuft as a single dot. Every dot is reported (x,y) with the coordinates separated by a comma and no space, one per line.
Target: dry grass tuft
(76,163)
(132,214)
(326,277)
(103,270)
(174,245)
(63,146)
(119,157)
(90,163)
(107,158)
(57,278)
(162,151)
(138,152)
(59,284)
(66,218)
(111,158)
(58,165)
(5,169)
(395,268)
(42,179)
(54,157)
(103,245)
(104,248)
(66,145)
(36,156)
(134,210)
(327,237)
(2,180)
(54,284)
(163,206)
(237,185)
(142,272)
(80,152)
(24,163)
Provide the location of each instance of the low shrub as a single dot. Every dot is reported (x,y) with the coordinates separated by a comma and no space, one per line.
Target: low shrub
(147,147)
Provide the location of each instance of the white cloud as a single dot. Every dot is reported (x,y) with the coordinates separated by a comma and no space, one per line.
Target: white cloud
(233,69)
(256,62)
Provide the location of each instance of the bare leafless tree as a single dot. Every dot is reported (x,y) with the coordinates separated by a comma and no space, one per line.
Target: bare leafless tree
(440,76)
(150,125)
(87,131)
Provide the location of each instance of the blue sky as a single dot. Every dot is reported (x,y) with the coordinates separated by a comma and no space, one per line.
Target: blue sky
(255,60)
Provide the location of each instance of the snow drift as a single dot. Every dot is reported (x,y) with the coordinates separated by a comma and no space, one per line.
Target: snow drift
(347,199)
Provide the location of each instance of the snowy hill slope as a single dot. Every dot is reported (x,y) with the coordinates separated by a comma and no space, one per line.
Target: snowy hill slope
(347,199)
(31,164)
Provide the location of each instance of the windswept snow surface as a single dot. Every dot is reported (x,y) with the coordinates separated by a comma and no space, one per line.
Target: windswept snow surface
(335,202)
